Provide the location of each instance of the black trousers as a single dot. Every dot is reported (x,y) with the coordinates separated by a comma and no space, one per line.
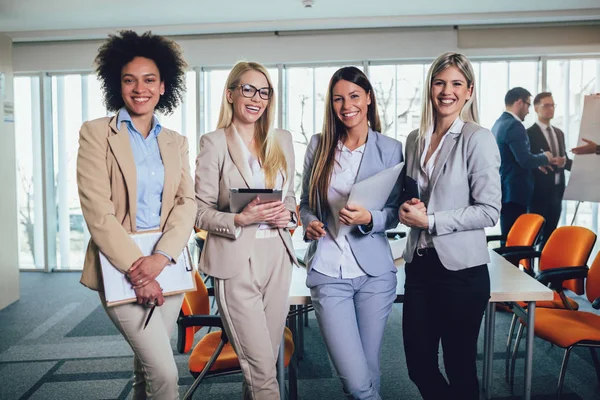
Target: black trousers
(508,215)
(549,207)
(443,306)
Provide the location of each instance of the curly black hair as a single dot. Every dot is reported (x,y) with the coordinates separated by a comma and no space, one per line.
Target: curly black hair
(120,49)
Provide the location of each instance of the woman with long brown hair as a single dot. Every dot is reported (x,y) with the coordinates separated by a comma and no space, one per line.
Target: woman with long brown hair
(352,277)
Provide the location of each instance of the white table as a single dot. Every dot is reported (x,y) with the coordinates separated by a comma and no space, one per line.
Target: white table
(508,284)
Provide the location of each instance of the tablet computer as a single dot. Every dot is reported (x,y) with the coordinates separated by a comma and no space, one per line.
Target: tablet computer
(239,198)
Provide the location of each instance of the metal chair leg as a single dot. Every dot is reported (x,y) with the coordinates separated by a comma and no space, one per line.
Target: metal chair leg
(190,392)
(563,370)
(514,355)
(596,362)
(511,332)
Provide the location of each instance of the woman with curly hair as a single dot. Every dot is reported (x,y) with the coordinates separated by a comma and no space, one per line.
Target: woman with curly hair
(133,175)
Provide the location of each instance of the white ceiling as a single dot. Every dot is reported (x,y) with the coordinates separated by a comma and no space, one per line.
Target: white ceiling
(27,20)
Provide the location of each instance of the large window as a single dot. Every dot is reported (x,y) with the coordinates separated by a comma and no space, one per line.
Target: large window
(183,119)
(495,78)
(398,87)
(75,99)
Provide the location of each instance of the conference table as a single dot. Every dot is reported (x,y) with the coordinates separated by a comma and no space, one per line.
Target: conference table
(508,285)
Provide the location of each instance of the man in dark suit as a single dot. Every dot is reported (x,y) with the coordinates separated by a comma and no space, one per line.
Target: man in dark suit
(548,184)
(517,160)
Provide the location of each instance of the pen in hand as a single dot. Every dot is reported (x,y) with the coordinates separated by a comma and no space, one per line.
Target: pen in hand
(149,316)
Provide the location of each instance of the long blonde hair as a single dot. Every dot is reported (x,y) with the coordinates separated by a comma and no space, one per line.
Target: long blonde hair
(469,111)
(270,154)
(334,131)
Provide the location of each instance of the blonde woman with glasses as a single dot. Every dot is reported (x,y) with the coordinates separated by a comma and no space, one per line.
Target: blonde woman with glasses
(455,163)
(249,253)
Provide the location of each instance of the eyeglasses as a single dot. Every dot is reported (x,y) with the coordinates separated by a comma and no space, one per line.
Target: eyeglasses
(528,104)
(249,91)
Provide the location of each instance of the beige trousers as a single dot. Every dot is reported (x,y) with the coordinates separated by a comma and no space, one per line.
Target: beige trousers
(254,307)
(155,372)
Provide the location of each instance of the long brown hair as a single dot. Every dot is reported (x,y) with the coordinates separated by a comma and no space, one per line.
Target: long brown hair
(270,154)
(334,131)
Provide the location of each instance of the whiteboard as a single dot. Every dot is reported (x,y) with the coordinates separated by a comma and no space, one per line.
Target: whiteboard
(584,181)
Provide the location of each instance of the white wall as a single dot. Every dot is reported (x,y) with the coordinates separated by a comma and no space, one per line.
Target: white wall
(9,250)
(334,46)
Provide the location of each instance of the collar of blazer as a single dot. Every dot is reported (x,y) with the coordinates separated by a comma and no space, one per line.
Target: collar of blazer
(234,146)
(119,142)
(371,164)
(443,155)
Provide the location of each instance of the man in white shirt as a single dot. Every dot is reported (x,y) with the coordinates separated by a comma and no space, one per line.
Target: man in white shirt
(548,183)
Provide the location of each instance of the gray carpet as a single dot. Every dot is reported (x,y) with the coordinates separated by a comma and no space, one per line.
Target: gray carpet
(57,343)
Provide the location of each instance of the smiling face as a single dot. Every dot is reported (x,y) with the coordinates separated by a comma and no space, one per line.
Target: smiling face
(248,110)
(449,92)
(141,86)
(351,104)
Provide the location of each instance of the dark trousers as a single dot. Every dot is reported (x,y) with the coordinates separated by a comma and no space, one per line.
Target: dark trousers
(549,207)
(508,215)
(443,306)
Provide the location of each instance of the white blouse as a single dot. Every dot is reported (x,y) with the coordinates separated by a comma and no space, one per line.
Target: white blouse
(258,182)
(333,256)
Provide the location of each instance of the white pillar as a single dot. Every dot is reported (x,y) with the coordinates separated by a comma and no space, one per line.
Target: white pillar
(9,234)
(38,184)
(62,184)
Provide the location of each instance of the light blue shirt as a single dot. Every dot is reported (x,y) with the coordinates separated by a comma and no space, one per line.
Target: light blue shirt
(150,171)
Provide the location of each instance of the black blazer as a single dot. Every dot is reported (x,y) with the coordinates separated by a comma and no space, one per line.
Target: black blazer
(544,183)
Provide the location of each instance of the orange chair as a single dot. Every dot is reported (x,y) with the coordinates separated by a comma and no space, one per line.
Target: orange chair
(579,241)
(213,355)
(522,237)
(569,328)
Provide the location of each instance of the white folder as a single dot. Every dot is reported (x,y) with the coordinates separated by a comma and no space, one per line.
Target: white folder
(372,193)
(174,278)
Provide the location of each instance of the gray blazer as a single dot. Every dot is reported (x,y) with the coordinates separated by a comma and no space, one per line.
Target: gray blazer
(465,195)
(371,249)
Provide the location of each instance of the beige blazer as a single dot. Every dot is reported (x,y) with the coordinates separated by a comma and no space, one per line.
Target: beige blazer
(221,166)
(107,181)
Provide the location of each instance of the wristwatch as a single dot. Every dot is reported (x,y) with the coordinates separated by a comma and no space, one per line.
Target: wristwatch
(598,149)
